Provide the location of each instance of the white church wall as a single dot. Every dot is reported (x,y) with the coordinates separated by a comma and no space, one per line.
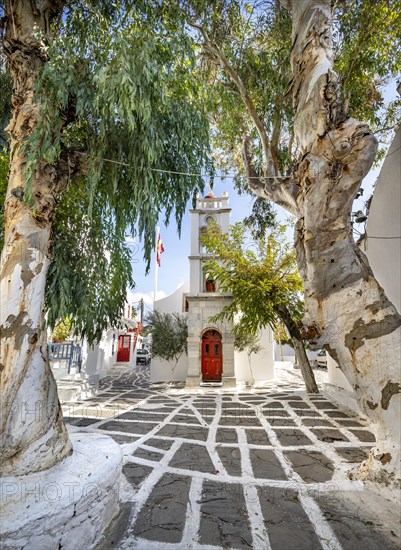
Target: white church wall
(261,365)
(174,302)
(202,307)
(284,353)
(90,355)
(160,369)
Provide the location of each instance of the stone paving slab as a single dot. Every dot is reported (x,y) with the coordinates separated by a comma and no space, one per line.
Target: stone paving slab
(162,518)
(312,466)
(329,435)
(231,459)
(257,437)
(164,444)
(266,465)
(135,428)
(186,432)
(292,437)
(224,518)
(357,527)
(147,454)
(193,457)
(287,523)
(226,435)
(136,473)
(352,454)
(209,469)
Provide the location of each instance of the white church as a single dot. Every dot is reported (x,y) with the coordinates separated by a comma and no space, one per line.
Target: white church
(211,358)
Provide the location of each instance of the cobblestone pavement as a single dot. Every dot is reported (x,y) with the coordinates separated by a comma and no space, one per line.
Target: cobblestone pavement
(248,468)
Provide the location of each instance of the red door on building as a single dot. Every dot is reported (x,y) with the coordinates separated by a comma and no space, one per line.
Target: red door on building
(124,346)
(212,356)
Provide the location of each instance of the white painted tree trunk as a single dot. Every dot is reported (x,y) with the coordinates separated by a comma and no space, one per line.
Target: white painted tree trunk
(33,434)
(347,312)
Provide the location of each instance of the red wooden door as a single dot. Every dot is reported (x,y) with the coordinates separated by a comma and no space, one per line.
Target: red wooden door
(124,345)
(212,356)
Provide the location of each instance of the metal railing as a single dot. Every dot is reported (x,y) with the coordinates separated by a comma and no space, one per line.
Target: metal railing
(66,351)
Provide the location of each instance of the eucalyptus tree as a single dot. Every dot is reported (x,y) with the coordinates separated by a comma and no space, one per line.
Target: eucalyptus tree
(103,99)
(310,156)
(263,279)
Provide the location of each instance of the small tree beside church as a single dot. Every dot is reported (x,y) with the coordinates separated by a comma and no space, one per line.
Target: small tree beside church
(264,282)
(169,336)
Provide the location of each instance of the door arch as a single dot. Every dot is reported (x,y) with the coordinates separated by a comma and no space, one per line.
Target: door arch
(212,356)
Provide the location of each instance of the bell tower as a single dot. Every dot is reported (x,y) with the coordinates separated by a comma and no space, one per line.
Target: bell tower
(210,345)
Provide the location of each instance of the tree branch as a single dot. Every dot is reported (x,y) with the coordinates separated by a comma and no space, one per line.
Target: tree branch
(211,49)
(282,191)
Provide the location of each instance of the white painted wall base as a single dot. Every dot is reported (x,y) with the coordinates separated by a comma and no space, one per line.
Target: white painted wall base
(68,506)
(161,370)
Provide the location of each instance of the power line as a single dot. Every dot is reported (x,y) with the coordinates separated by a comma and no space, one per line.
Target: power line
(195,174)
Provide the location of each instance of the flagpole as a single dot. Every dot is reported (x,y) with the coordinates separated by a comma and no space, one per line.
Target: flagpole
(156,267)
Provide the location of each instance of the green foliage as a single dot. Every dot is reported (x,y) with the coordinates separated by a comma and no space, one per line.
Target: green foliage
(261,218)
(281,333)
(121,79)
(91,269)
(169,335)
(367,41)
(61,331)
(256,39)
(261,274)
(246,341)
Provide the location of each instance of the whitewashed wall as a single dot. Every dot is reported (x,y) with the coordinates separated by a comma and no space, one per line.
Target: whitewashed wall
(286,353)
(160,370)
(384,220)
(261,366)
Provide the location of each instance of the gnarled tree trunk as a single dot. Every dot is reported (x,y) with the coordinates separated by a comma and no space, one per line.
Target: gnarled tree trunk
(33,434)
(347,312)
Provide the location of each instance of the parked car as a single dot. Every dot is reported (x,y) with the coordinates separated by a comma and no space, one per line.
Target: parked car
(321,358)
(142,357)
